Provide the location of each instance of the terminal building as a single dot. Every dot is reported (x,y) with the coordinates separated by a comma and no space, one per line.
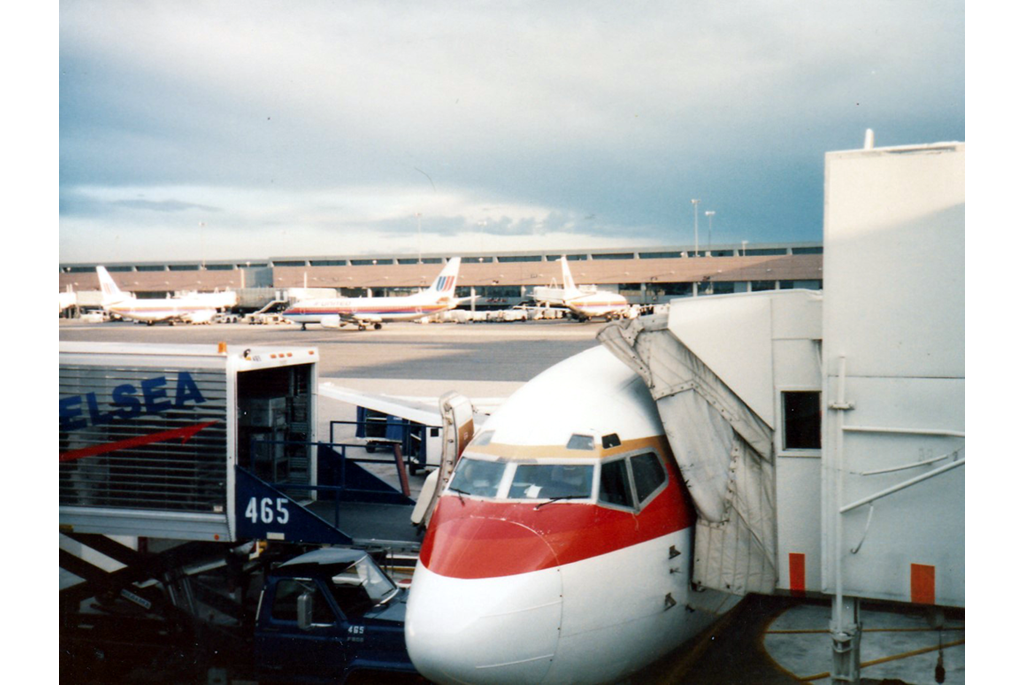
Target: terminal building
(498,279)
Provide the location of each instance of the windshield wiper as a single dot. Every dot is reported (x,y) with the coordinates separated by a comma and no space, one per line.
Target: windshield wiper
(560,498)
(460,493)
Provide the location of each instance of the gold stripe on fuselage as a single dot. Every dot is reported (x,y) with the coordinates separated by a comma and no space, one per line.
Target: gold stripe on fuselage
(532,452)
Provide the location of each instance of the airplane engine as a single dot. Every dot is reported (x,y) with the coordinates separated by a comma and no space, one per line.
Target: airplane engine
(560,550)
(332,321)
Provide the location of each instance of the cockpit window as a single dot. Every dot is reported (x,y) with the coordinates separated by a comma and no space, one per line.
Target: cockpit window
(477,477)
(482,439)
(552,481)
(648,474)
(632,481)
(580,442)
(615,489)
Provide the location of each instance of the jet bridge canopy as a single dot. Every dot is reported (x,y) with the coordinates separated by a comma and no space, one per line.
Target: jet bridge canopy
(710,366)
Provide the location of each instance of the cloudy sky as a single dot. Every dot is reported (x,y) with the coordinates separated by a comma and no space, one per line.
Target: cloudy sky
(231,130)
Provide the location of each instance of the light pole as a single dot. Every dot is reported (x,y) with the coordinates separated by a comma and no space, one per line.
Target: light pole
(419,239)
(696,241)
(711,217)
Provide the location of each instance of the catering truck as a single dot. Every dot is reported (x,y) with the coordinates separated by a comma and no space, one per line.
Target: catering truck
(204,530)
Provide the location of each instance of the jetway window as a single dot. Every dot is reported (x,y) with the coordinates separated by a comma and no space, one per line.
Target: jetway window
(802,420)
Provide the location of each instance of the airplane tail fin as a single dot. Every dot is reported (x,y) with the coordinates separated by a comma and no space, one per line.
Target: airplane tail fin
(445,283)
(111,293)
(567,283)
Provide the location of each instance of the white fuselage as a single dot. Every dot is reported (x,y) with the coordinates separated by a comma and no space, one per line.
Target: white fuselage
(167,309)
(592,621)
(373,309)
(517,583)
(599,304)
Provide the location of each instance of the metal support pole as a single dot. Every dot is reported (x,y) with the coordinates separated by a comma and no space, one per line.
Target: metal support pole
(846,630)
(403,478)
(845,625)
(696,238)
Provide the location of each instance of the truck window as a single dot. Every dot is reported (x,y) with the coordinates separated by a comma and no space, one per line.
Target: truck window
(615,489)
(286,598)
(361,586)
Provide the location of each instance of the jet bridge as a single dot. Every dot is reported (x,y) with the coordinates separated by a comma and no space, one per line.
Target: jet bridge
(737,381)
(821,434)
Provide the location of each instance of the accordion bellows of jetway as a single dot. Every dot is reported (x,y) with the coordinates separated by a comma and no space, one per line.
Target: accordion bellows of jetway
(725,448)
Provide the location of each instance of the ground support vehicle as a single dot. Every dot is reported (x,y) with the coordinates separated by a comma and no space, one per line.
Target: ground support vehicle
(192,484)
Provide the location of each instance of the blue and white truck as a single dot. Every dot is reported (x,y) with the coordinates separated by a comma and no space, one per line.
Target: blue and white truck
(206,534)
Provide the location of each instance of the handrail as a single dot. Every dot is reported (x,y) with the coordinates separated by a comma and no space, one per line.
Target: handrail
(399,464)
(913,465)
(905,431)
(901,486)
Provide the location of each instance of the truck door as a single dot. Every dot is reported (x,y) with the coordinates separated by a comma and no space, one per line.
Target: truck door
(287,650)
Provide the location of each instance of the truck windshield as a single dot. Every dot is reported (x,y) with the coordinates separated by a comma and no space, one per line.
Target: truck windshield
(361,586)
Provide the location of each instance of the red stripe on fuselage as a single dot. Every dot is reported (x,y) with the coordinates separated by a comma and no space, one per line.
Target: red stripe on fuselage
(473,538)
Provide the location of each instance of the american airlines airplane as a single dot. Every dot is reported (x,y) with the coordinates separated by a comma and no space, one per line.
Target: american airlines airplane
(188,309)
(590,305)
(560,550)
(334,312)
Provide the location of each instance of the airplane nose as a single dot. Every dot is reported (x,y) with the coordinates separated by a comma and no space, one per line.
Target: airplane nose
(498,629)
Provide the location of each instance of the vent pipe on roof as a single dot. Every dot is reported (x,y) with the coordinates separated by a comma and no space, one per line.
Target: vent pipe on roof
(869,140)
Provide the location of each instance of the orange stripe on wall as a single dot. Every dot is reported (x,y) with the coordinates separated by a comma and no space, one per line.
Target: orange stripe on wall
(922,584)
(797,574)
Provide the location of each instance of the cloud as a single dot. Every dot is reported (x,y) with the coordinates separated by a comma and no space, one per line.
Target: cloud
(163,205)
(356,116)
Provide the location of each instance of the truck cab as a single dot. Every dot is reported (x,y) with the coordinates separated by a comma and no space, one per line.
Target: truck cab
(328,615)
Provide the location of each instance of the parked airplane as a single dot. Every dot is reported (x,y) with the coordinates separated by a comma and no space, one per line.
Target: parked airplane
(374,311)
(588,305)
(561,549)
(188,309)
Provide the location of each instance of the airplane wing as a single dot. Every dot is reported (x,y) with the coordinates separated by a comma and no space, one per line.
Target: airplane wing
(424,410)
(420,410)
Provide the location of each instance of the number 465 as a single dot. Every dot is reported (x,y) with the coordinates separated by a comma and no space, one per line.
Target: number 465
(267,510)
